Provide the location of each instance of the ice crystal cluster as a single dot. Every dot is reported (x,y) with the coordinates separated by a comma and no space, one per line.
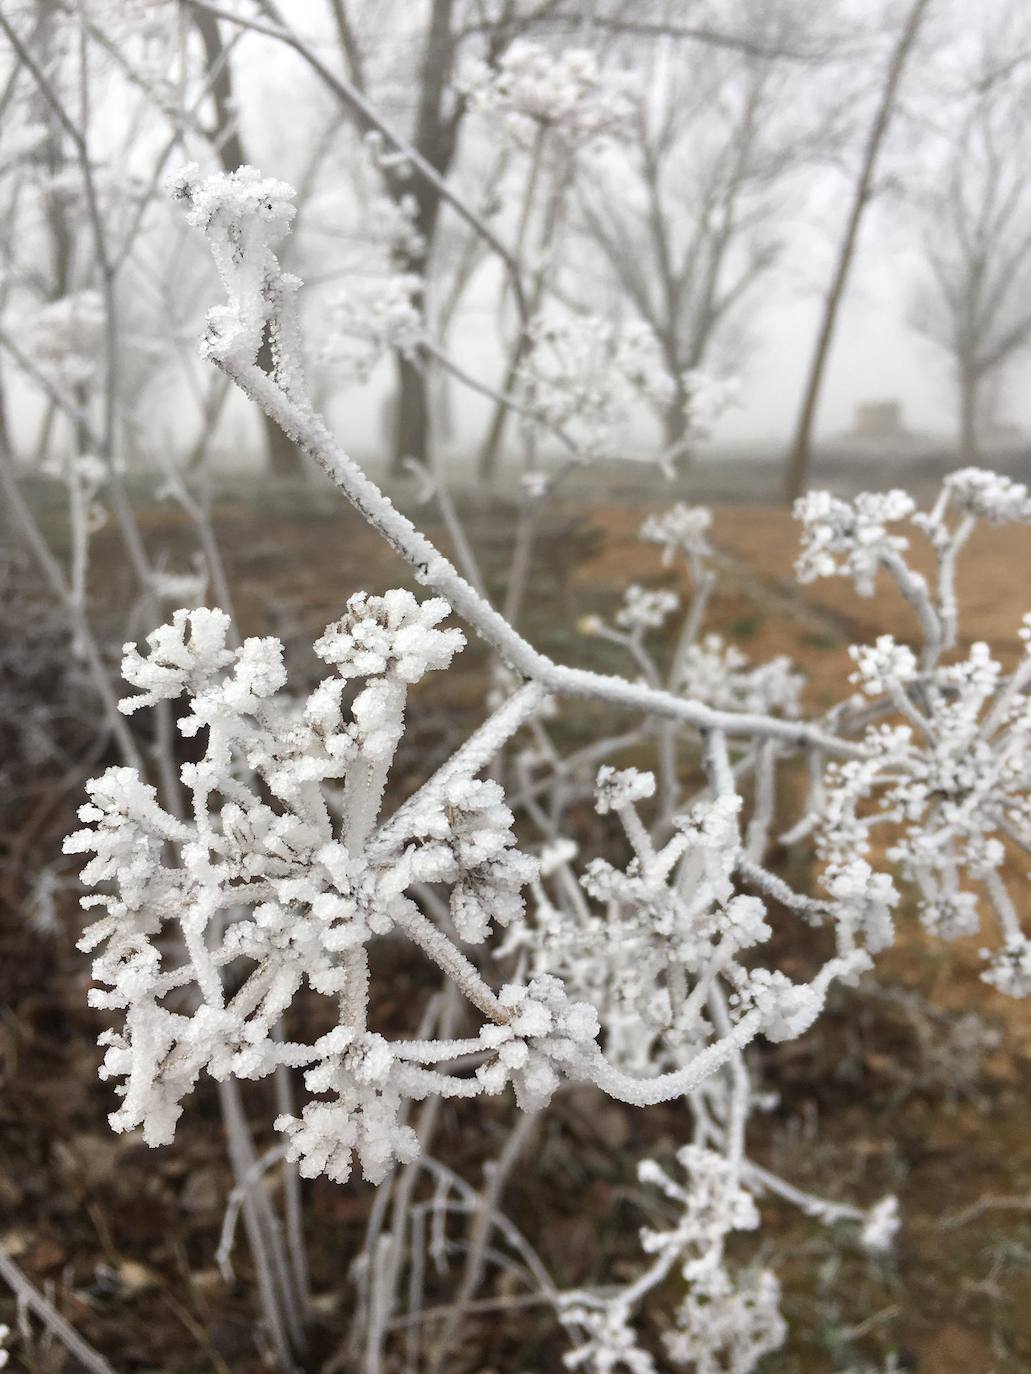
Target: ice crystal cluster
(65,337)
(664,934)
(584,374)
(378,310)
(944,784)
(567,93)
(280,876)
(244,216)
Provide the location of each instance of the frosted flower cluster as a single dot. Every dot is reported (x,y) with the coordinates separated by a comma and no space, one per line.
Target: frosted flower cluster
(850,538)
(988,496)
(669,926)
(730,1317)
(66,338)
(584,375)
(721,675)
(946,785)
(646,609)
(371,316)
(684,528)
(566,93)
(282,874)
(949,784)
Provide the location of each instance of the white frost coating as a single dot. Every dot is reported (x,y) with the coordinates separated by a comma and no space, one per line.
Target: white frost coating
(988,495)
(850,538)
(644,609)
(681,527)
(583,376)
(392,634)
(533,88)
(616,788)
(881,1225)
(643,978)
(280,881)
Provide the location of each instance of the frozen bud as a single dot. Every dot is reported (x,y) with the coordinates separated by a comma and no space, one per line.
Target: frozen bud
(988,495)
(681,527)
(581,1023)
(864,901)
(881,1224)
(951,915)
(392,634)
(646,610)
(532,1018)
(183,656)
(743,922)
(883,666)
(555,855)
(231,203)
(615,788)
(1009,969)
(788,1009)
(849,539)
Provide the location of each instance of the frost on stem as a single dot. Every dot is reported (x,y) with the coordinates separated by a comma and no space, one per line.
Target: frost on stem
(731,1315)
(282,874)
(244,216)
(661,938)
(947,782)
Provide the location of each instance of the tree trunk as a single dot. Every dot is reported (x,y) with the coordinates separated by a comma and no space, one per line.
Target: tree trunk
(969,446)
(436,136)
(675,425)
(411,421)
(799,457)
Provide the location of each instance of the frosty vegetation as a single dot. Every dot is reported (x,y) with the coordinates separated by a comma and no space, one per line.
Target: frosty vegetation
(645,978)
(258,846)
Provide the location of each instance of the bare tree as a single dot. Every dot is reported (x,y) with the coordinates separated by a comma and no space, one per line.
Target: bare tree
(800,454)
(694,217)
(975,301)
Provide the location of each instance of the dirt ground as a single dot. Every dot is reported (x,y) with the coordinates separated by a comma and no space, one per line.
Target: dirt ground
(917,1084)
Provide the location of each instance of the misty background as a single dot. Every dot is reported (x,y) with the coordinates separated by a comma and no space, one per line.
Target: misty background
(757,137)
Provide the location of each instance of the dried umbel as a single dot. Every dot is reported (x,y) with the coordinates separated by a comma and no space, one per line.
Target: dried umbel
(566,93)
(283,872)
(642,970)
(275,878)
(946,784)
